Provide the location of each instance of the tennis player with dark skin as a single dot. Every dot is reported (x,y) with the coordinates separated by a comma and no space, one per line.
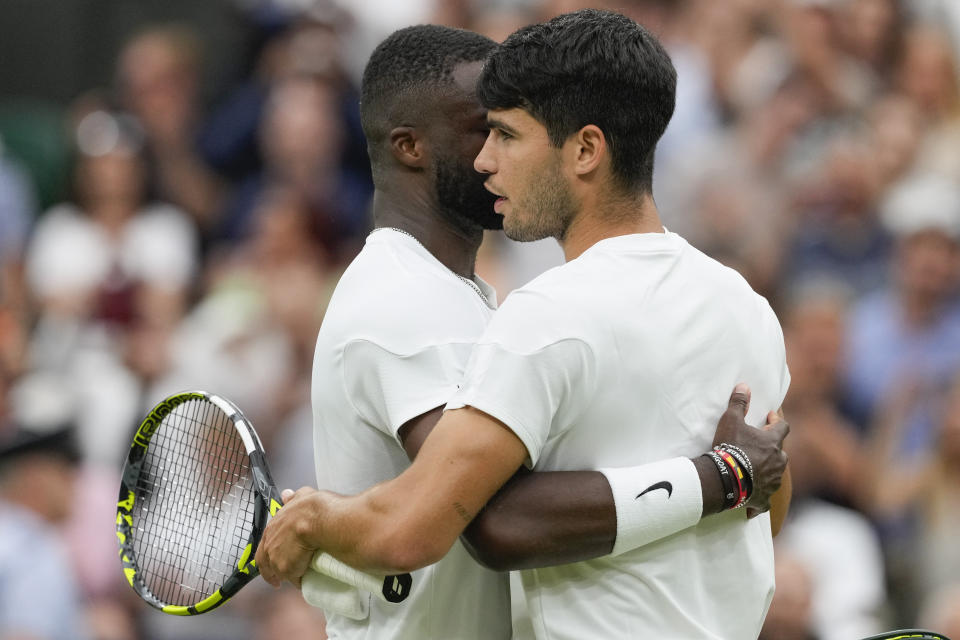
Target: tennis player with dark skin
(422,173)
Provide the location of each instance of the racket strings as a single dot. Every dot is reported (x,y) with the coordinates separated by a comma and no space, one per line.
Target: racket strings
(196,503)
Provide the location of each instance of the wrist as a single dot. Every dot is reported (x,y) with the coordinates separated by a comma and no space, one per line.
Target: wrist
(310,527)
(741,463)
(654,500)
(711,485)
(735,475)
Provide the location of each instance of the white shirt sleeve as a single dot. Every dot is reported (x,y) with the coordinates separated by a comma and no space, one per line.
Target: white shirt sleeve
(388,389)
(529,391)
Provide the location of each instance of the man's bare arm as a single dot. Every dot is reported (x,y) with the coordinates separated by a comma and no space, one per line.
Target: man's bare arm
(557,517)
(537,519)
(403,524)
(413,520)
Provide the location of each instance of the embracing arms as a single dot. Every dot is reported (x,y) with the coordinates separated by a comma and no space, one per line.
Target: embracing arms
(413,520)
(540,519)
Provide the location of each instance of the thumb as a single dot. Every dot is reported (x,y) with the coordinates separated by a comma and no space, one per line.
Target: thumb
(286,494)
(780,428)
(740,399)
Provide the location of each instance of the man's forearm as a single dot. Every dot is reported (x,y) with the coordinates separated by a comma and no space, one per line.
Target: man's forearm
(556,517)
(405,523)
(543,519)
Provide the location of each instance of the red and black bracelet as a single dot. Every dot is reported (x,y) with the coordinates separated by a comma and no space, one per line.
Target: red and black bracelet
(730,493)
(738,476)
(744,461)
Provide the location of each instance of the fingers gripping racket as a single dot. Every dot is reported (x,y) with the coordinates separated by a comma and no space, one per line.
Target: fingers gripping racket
(194,500)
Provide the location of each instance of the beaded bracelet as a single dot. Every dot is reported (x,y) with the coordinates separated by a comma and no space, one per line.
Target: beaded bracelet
(738,476)
(741,456)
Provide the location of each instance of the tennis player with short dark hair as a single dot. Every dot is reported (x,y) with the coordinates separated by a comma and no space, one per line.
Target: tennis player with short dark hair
(608,361)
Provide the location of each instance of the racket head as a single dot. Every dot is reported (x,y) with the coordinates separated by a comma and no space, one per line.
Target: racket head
(909,634)
(194,499)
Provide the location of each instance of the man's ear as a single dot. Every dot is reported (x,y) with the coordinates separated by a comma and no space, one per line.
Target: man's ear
(408,147)
(589,149)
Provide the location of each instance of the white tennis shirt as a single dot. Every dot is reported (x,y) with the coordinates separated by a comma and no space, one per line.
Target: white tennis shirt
(393,345)
(623,356)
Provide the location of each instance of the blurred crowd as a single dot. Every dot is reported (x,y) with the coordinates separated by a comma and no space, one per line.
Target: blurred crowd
(815,148)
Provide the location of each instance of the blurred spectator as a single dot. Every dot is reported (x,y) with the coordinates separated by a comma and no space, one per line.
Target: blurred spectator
(740,223)
(696,114)
(88,528)
(928,74)
(813,33)
(17,212)
(841,554)
(925,485)
(909,333)
(871,32)
(290,42)
(158,74)
(13,340)
(824,448)
(17,206)
(839,233)
(301,139)
(897,129)
(727,192)
(112,253)
(99,268)
(252,334)
(746,61)
(39,599)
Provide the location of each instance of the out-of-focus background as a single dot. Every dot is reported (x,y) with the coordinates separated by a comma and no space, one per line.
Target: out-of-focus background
(182,182)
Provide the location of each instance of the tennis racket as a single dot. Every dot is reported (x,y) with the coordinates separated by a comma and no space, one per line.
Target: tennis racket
(194,500)
(909,634)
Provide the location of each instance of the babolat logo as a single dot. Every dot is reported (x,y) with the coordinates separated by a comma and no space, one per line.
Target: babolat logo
(161,411)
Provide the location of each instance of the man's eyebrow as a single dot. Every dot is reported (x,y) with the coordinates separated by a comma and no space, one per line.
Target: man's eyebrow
(493,123)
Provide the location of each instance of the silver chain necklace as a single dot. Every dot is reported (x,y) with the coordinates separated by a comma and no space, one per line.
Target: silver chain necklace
(473,285)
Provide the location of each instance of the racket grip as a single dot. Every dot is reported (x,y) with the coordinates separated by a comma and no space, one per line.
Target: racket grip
(387,588)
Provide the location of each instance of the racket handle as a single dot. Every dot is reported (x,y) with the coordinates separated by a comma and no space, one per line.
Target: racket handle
(387,588)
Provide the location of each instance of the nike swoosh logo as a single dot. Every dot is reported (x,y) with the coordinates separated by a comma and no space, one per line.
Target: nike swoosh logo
(663,484)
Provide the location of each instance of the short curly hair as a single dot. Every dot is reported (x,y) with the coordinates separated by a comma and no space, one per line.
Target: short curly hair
(406,71)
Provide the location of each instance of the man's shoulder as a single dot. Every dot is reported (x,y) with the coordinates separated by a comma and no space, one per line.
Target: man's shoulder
(400,302)
(383,277)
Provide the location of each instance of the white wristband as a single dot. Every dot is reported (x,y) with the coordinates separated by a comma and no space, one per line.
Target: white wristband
(654,501)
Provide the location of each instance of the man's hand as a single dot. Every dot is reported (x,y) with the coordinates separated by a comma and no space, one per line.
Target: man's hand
(283,553)
(763,446)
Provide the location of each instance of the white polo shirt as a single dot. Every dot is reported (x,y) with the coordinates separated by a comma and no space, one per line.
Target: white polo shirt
(625,356)
(393,345)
